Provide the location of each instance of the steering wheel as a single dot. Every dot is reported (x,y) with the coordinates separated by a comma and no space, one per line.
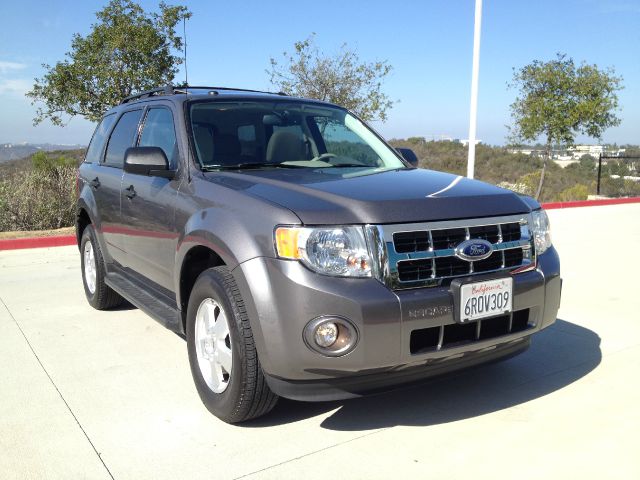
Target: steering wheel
(323,156)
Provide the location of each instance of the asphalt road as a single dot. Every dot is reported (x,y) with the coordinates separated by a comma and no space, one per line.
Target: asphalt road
(100,395)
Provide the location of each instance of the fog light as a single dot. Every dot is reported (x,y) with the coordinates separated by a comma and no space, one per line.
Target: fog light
(331,336)
(326,334)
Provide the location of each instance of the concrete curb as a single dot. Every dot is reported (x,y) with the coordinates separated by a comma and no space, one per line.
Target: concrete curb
(64,240)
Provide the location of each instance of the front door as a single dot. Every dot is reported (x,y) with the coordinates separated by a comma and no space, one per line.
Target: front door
(148,206)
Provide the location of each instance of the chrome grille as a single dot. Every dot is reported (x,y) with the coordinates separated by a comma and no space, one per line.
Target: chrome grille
(423,254)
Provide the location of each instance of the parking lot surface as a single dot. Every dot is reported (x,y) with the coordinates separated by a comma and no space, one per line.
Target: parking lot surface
(99,395)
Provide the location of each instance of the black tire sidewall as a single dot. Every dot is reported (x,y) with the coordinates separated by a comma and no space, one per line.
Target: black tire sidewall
(89,235)
(210,284)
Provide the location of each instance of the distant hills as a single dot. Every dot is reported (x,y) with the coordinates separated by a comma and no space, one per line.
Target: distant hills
(15,151)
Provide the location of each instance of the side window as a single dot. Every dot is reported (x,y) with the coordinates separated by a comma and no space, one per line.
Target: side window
(123,137)
(96,146)
(159,131)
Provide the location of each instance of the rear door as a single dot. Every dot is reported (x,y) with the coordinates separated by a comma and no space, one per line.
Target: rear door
(148,205)
(108,180)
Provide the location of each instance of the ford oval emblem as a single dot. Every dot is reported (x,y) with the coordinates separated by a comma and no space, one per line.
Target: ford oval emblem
(474,249)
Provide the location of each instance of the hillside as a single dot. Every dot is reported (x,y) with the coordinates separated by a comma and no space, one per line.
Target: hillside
(13,151)
(521,172)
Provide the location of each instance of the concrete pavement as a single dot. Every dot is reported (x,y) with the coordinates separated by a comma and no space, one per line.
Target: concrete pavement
(99,395)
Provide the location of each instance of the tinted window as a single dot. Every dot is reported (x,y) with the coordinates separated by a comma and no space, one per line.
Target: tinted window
(158,131)
(123,137)
(96,146)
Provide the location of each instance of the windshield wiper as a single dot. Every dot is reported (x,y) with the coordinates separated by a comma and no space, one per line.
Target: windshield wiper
(249,166)
(347,165)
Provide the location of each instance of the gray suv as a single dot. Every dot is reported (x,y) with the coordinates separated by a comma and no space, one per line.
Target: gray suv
(298,253)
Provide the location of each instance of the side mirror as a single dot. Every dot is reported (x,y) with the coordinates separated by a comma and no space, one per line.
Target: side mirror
(149,161)
(409,155)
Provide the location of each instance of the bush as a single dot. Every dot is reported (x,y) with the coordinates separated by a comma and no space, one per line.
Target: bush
(577,192)
(38,199)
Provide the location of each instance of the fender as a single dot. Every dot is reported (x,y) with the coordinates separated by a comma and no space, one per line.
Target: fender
(87,202)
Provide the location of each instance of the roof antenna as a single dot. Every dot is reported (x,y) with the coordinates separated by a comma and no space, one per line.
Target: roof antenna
(184,35)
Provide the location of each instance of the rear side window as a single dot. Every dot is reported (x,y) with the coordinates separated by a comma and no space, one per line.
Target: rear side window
(96,146)
(123,137)
(159,131)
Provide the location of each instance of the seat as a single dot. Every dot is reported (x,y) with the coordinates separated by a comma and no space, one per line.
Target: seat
(285,146)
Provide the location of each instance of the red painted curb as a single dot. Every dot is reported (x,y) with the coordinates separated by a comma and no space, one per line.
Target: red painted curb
(590,203)
(37,242)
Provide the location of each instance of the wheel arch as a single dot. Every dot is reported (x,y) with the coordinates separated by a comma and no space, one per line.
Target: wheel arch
(195,260)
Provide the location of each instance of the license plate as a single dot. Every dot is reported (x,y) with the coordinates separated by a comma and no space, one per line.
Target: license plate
(485,299)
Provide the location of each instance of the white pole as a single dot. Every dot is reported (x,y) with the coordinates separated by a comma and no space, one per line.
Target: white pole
(471,159)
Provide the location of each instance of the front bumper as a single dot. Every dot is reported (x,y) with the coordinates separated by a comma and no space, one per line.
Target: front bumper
(282,296)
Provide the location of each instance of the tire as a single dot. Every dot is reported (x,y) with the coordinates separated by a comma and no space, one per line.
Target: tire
(236,391)
(99,295)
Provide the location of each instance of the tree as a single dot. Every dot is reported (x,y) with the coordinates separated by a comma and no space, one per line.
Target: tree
(559,100)
(341,79)
(127,50)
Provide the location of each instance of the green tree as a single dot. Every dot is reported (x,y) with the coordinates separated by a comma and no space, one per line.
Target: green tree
(341,79)
(127,50)
(558,100)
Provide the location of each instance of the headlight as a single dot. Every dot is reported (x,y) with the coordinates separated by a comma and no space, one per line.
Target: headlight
(540,231)
(338,251)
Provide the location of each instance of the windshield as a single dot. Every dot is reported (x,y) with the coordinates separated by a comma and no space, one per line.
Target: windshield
(285,135)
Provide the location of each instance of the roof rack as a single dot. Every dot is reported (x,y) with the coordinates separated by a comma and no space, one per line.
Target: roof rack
(182,89)
(227,89)
(166,90)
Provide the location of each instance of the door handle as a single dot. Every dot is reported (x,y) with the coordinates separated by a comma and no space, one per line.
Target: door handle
(95,183)
(131,192)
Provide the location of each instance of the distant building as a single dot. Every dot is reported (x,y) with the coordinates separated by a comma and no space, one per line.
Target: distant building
(579,151)
(465,142)
(536,152)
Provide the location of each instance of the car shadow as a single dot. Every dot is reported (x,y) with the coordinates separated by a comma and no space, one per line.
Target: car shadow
(559,356)
(125,305)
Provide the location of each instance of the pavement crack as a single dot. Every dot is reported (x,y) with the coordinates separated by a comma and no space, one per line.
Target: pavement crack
(311,453)
(56,387)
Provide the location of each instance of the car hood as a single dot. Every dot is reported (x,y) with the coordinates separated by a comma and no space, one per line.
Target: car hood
(345,196)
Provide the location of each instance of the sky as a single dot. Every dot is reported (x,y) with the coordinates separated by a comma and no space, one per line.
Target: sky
(429,43)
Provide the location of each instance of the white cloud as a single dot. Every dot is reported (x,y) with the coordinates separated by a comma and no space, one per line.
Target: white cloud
(18,86)
(6,67)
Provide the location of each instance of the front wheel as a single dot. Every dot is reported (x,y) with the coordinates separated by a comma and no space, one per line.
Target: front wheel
(99,295)
(222,354)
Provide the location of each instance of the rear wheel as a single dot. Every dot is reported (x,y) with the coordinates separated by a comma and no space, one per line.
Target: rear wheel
(99,295)
(222,354)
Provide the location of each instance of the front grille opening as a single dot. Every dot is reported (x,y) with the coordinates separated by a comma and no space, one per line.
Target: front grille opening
(494,327)
(520,321)
(513,257)
(409,242)
(451,266)
(424,340)
(449,238)
(510,231)
(486,232)
(459,333)
(493,262)
(414,270)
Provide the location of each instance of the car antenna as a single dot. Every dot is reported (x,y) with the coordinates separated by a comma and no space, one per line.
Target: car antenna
(184,35)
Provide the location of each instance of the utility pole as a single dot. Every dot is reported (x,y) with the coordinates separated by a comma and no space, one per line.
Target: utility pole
(473,114)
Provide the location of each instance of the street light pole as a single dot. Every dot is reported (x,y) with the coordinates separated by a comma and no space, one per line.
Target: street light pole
(471,159)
